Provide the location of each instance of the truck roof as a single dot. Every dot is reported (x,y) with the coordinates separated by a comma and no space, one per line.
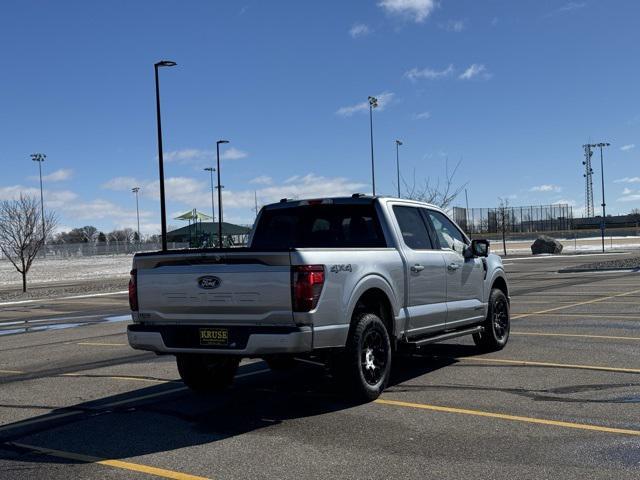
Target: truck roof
(355,199)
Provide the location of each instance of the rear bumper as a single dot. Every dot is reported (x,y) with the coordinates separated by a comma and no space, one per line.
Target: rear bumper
(245,341)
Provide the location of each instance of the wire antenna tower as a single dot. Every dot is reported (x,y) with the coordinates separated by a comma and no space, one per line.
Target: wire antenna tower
(588,181)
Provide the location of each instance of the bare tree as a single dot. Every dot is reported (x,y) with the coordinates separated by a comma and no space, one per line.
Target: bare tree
(504,221)
(21,235)
(442,193)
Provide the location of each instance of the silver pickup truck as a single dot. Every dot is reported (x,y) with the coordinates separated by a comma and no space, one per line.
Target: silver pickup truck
(347,280)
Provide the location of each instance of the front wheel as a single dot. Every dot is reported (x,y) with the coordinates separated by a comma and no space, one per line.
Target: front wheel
(365,364)
(497,324)
(204,373)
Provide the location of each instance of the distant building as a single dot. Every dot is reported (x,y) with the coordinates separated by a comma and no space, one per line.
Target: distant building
(200,234)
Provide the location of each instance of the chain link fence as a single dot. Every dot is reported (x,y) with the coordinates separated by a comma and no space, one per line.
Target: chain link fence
(529,219)
(86,249)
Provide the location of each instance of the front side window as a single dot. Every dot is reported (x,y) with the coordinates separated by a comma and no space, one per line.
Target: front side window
(414,230)
(448,234)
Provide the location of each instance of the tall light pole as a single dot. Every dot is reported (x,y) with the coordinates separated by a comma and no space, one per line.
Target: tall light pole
(135,191)
(218,143)
(603,225)
(398,143)
(163,212)
(373,103)
(39,157)
(213,210)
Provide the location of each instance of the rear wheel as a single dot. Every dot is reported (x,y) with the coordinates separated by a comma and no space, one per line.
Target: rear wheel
(497,324)
(365,365)
(207,373)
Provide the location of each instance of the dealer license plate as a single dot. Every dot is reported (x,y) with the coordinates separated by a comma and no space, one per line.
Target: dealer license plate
(214,336)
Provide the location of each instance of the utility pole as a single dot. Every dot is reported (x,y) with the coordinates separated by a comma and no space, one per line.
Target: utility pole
(373,103)
(603,225)
(398,143)
(466,212)
(39,157)
(135,190)
(218,143)
(255,199)
(588,180)
(213,210)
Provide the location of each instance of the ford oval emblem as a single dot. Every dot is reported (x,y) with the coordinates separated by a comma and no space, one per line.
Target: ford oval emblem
(209,282)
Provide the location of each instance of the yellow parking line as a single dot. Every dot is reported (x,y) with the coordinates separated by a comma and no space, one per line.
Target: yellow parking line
(502,416)
(547,364)
(11,371)
(606,337)
(133,467)
(586,302)
(96,344)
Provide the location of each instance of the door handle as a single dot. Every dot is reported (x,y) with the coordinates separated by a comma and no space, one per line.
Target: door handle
(453,266)
(417,268)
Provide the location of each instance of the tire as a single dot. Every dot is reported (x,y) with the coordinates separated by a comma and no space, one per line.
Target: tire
(497,324)
(280,363)
(204,373)
(365,364)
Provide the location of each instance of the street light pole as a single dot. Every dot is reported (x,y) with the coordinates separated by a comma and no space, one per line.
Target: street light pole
(219,191)
(39,157)
(373,103)
(163,212)
(603,225)
(135,190)
(398,143)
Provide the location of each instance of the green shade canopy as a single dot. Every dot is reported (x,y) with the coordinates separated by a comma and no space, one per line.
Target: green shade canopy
(193,215)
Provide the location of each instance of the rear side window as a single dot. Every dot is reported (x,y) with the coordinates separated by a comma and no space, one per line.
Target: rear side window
(413,229)
(319,226)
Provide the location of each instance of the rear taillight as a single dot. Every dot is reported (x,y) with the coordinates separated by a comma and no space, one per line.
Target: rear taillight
(133,290)
(306,285)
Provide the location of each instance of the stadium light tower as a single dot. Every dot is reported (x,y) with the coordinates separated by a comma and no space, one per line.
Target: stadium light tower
(135,191)
(398,143)
(218,143)
(39,157)
(373,103)
(163,210)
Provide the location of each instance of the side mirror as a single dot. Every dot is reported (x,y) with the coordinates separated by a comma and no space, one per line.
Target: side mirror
(480,248)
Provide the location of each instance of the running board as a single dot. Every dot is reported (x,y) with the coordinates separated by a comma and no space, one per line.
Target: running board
(444,336)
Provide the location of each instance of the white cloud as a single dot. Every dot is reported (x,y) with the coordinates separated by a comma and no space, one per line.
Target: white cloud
(122,183)
(629,197)
(626,148)
(261,180)
(359,30)
(475,70)
(54,199)
(384,99)
(421,116)
(189,155)
(568,7)
(627,180)
(428,73)
(546,188)
(627,191)
(454,26)
(416,10)
(232,153)
(185,154)
(56,176)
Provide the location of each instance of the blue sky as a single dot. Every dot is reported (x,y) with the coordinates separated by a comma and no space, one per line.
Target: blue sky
(513,89)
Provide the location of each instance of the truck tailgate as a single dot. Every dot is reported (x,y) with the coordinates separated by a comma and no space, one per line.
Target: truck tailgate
(243,288)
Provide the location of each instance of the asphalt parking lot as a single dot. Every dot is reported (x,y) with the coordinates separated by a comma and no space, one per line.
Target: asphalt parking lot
(562,400)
